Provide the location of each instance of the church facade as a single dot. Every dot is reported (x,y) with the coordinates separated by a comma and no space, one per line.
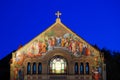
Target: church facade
(57,54)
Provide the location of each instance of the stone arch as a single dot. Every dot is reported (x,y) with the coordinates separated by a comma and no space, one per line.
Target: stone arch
(58,65)
(58,52)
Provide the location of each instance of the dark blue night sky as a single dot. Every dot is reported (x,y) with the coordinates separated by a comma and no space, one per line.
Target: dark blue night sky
(96,21)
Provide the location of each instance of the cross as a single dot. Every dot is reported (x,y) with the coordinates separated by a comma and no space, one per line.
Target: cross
(58,14)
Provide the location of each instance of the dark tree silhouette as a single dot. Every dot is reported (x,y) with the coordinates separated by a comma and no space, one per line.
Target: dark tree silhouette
(112,60)
(5,67)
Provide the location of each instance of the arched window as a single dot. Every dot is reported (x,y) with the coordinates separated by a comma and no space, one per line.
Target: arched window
(100,70)
(39,68)
(81,68)
(87,68)
(58,65)
(28,68)
(76,68)
(20,75)
(34,68)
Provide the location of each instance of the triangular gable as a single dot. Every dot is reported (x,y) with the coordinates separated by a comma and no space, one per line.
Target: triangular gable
(66,37)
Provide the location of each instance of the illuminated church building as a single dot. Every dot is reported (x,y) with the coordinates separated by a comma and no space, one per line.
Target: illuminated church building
(57,54)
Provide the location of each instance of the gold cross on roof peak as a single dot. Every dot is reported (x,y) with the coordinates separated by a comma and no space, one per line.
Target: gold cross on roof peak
(58,14)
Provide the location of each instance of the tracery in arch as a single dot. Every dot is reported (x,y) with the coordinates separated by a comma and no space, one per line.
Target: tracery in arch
(58,65)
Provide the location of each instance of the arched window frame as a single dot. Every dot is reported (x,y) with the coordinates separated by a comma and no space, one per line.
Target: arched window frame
(76,68)
(40,68)
(81,68)
(87,68)
(52,65)
(28,68)
(34,68)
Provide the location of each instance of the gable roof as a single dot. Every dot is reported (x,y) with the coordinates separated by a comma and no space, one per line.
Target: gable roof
(58,29)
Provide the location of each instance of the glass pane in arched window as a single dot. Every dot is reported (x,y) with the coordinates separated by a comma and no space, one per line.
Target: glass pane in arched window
(63,66)
(34,68)
(81,68)
(76,68)
(87,68)
(100,70)
(58,65)
(28,68)
(39,68)
(53,66)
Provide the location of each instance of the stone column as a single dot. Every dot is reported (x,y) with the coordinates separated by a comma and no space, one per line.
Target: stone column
(79,67)
(90,69)
(36,75)
(70,67)
(44,70)
(84,64)
(44,67)
(48,68)
(37,68)
(31,65)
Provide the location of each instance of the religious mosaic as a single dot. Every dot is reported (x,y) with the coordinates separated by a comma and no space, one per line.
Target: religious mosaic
(56,37)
